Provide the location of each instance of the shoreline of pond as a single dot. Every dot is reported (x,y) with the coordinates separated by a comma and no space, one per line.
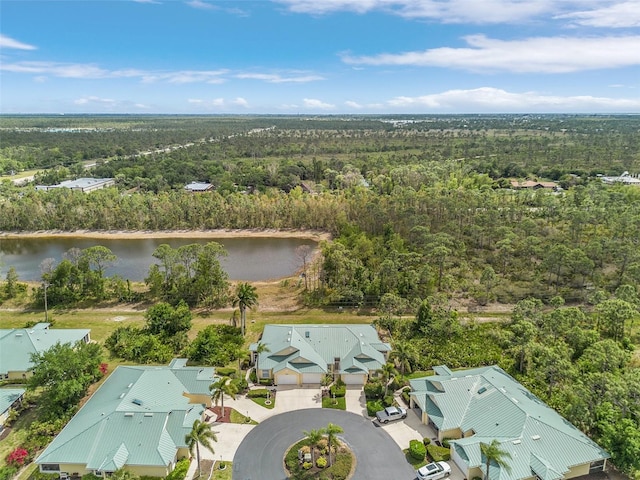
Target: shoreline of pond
(142,234)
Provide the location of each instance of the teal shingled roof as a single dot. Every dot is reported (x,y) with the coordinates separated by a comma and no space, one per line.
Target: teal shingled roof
(493,405)
(310,348)
(17,344)
(139,416)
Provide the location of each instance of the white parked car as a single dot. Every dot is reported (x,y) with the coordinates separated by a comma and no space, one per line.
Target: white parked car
(433,471)
(391,413)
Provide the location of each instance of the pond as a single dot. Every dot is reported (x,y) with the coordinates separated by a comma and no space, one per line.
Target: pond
(249,258)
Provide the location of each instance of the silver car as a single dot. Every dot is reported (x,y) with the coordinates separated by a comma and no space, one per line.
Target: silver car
(391,413)
(433,471)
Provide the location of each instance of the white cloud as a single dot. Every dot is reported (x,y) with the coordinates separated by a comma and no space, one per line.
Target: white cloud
(617,15)
(199,4)
(240,102)
(531,55)
(216,102)
(487,99)
(448,11)
(8,42)
(317,104)
(64,70)
(94,100)
(352,104)
(275,78)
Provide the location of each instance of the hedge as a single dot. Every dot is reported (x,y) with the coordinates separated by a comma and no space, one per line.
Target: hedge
(438,454)
(258,393)
(417,450)
(226,371)
(338,391)
(180,470)
(374,406)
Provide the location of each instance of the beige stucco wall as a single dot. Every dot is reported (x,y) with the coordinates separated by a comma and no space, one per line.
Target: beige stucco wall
(199,399)
(452,433)
(18,375)
(577,471)
(148,471)
(475,472)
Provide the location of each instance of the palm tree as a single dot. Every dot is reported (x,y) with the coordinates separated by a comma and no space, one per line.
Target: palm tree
(493,453)
(388,371)
(314,437)
(223,386)
(331,431)
(201,434)
(245,297)
(403,354)
(260,348)
(242,354)
(122,474)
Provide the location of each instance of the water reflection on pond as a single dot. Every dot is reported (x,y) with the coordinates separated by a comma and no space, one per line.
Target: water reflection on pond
(250,258)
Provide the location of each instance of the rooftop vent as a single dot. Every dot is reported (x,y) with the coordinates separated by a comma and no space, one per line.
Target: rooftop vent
(128,414)
(18,334)
(130,385)
(482,390)
(121,395)
(306,334)
(517,442)
(148,414)
(136,401)
(514,400)
(535,437)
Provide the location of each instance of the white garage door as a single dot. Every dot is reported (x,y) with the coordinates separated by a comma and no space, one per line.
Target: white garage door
(284,379)
(353,379)
(311,378)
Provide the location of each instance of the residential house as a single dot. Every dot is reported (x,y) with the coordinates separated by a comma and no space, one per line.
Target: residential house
(9,399)
(82,184)
(532,184)
(625,179)
(17,345)
(304,354)
(485,404)
(137,419)
(198,187)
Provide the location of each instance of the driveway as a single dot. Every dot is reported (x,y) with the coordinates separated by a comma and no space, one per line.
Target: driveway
(260,454)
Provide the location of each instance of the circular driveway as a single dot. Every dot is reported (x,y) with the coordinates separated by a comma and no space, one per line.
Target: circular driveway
(260,455)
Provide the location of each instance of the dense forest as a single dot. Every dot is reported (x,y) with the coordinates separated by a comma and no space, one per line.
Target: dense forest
(425,219)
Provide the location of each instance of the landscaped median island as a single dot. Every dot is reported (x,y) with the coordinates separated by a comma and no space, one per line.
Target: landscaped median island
(320,455)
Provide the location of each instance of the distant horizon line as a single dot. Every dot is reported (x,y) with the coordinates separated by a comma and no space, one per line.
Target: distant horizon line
(478,114)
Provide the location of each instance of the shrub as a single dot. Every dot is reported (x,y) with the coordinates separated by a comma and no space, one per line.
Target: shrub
(388,400)
(426,441)
(445,442)
(340,383)
(226,371)
(373,407)
(18,457)
(341,468)
(253,376)
(266,381)
(338,390)
(373,390)
(438,454)
(90,476)
(258,393)
(417,450)
(7,472)
(180,470)
(321,462)
(307,465)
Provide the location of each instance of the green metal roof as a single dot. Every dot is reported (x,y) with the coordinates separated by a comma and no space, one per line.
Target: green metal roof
(311,348)
(17,344)
(8,396)
(139,416)
(491,404)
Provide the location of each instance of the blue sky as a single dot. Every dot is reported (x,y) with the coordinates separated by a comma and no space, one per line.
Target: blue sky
(320,56)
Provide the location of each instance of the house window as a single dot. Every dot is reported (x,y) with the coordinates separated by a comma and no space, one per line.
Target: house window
(50,467)
(264,373)
(336,364)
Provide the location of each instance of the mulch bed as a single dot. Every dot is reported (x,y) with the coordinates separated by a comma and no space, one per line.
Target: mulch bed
(218,411)
(205,467)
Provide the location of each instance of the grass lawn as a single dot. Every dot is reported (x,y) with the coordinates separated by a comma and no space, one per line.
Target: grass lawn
(340,403)
(237,417)
(222,474)
(261,401)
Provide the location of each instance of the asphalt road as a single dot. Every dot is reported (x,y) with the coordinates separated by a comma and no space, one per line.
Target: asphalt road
(260,455)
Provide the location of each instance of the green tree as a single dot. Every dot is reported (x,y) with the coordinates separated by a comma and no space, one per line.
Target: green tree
(163,319)
(64,373)
(123,474)
(404,355)
(613,316)
(12,287)
(314,436)
(331,431)
(223,386)
(200,434)
(388,371)
(492,453)
(245,297)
